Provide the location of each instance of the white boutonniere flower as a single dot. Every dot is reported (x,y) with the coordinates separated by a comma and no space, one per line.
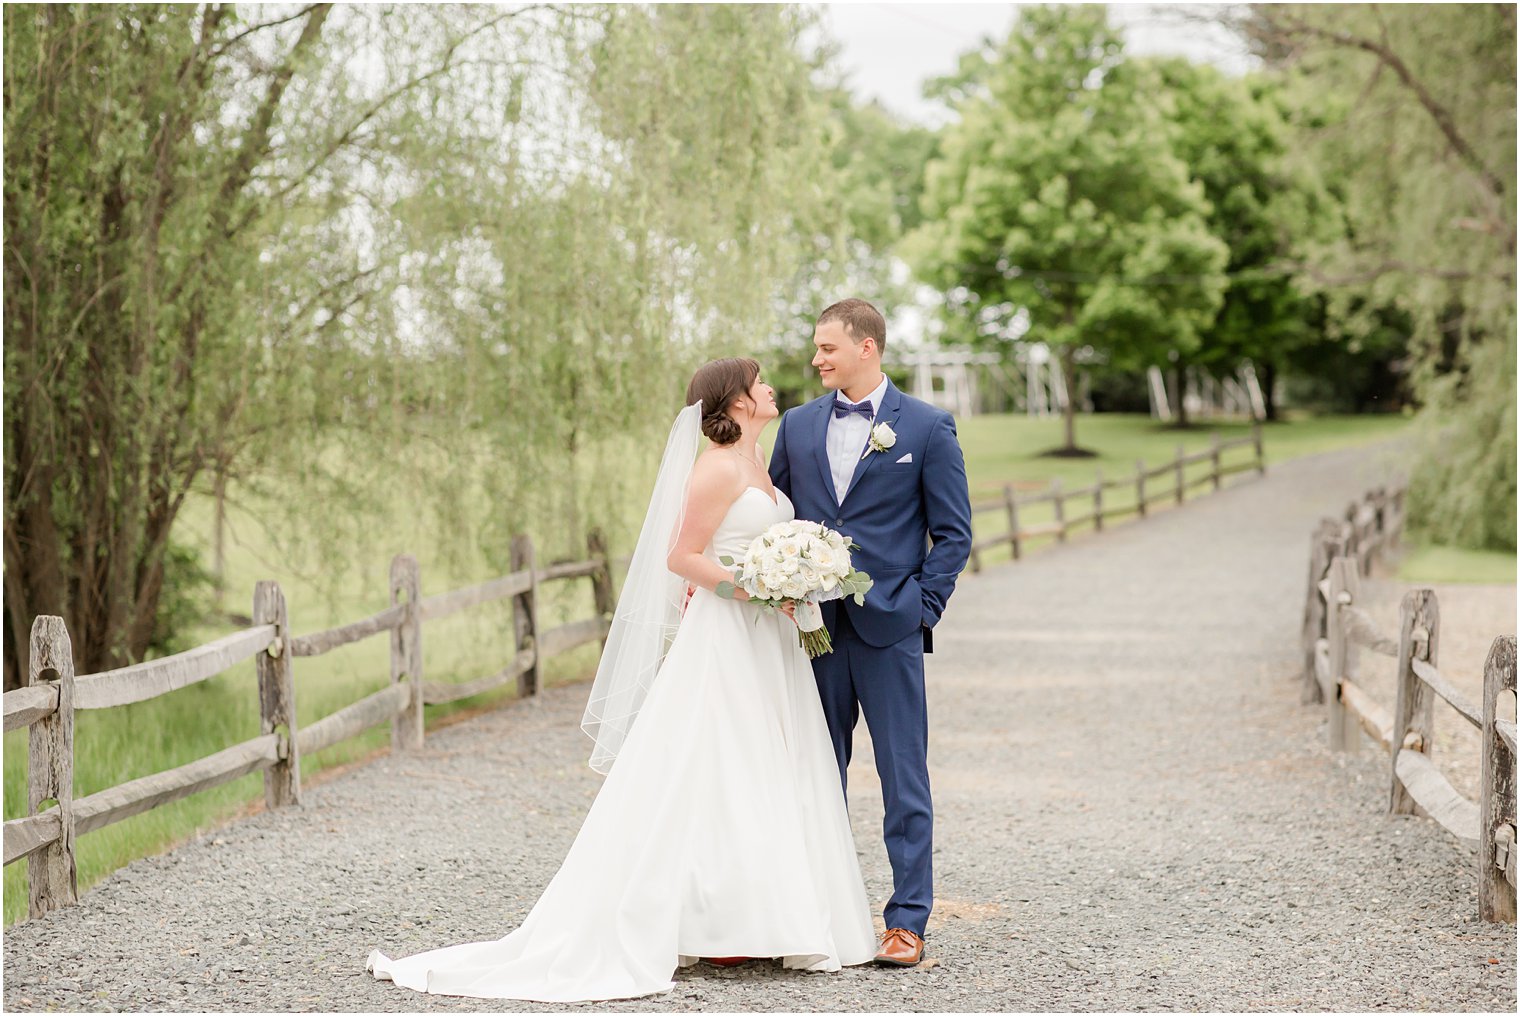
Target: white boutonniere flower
(882,438)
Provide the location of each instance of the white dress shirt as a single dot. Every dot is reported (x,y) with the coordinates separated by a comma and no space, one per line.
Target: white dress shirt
(846,440)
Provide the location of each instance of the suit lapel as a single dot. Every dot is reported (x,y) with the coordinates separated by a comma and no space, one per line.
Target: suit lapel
(891,406)
(823,413)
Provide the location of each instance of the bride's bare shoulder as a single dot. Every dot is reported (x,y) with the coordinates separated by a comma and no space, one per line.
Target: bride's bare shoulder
(716,472)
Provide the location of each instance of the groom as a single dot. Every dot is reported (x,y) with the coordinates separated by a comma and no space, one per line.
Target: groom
(886,470)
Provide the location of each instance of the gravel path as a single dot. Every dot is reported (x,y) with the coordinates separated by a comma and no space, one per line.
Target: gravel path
(1134,812)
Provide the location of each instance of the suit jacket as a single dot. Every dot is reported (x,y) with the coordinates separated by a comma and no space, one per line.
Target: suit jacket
(911,519)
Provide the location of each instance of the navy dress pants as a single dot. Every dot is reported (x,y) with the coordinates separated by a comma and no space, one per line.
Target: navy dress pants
(886,684)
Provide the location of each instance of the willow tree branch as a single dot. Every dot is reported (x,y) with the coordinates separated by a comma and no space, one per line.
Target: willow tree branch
(223,47)
(255,141)
(376,108)
(1437,112)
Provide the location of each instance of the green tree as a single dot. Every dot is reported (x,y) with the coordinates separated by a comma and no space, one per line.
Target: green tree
(1410,111)
(336,257)
(1232,135)
(1058,191)
(589,279)
(868,166)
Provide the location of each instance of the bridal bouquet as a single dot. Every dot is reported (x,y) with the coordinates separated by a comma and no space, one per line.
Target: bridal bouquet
(803,562)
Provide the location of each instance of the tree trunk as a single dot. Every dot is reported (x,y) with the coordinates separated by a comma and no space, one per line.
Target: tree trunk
(1069,412)
(1178,377)
(1268,382)
(218,529)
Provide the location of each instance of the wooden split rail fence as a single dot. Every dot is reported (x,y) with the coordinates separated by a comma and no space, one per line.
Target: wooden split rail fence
(1336,628)
(1148,484)
(47,706)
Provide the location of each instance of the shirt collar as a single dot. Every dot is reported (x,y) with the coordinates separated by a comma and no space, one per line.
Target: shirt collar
(874,398)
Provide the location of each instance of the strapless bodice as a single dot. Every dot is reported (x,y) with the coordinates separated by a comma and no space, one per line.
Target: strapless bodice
(749,516)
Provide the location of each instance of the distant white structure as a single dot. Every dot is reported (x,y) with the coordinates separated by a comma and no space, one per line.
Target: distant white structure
(1206,397)
(966,382)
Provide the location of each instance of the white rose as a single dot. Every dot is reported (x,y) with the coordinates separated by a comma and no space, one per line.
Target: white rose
(883,436)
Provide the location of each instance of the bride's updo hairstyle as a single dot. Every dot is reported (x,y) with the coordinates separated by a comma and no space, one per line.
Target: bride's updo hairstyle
(716,385)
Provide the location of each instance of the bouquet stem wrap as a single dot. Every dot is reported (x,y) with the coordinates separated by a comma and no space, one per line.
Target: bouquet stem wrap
(811,633)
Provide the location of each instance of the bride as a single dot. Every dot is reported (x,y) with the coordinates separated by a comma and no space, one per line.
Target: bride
(721,831)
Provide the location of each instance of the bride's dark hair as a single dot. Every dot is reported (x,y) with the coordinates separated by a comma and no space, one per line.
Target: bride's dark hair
(716,385)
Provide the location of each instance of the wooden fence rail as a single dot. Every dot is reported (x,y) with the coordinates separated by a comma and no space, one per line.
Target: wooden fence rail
(1146,495)
(1335,629)
(46,706)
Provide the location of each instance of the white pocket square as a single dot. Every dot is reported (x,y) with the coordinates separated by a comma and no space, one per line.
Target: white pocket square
(906,458)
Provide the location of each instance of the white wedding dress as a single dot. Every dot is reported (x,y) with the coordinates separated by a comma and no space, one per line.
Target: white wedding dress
(721,829)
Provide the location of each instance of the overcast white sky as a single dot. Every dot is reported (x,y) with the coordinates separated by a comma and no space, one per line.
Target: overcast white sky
(890,50)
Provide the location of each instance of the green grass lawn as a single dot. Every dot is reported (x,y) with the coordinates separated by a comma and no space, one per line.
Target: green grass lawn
(1004,448)
(1441,565)
(120,744)
(1010,450)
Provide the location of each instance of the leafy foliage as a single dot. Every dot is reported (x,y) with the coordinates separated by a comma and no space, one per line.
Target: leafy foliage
(1059,191)
(1409,113)
(1231,134)
(357,260)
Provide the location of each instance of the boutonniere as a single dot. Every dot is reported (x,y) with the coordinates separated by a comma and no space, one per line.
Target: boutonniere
(882,438)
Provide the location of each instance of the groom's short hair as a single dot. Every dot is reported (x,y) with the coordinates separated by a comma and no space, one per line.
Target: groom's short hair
(860,320)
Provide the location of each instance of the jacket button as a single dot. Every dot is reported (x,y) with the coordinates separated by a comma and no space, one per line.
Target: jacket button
(839,522)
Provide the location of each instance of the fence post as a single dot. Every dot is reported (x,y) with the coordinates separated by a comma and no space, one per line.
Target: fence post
(1496,896)
(1419,630)
(525,614)
(1325,546)
(1013,521)
(1353,530)
(1344,732)
(277,696)
(603,597)
(1256,443)
(1059,501)
(407,732)
(53,877)
(1180,456)
(1313,618)
(1098,503)
(1140,486)
(1214,451)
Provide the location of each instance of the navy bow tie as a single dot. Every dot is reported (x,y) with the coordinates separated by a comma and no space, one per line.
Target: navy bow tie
(843,409)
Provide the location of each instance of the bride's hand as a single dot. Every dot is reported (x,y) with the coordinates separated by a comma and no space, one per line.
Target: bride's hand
(789,608)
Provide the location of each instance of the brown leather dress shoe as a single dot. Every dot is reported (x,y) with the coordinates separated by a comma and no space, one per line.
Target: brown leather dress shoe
(900,948)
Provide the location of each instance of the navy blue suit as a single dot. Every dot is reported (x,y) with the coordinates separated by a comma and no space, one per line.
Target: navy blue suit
(893,509)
